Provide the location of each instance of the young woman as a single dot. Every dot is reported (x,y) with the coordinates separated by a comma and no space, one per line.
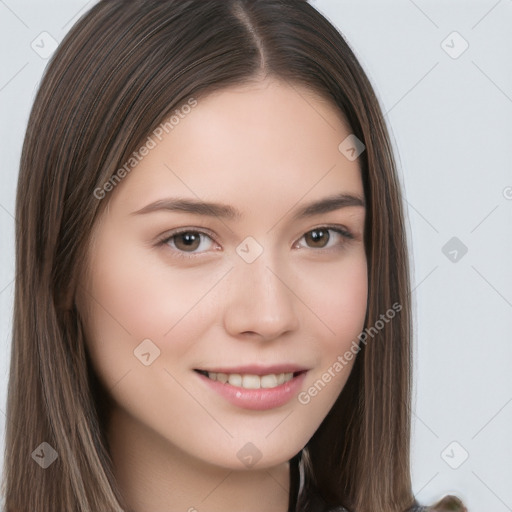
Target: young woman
(212,304)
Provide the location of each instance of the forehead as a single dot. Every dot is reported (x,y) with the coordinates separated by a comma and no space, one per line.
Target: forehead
(257,143)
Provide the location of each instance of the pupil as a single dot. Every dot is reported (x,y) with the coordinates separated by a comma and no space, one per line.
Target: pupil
(188,237)
(188,240)
(316,236)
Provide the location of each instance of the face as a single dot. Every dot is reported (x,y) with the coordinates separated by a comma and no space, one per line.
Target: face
(217,329)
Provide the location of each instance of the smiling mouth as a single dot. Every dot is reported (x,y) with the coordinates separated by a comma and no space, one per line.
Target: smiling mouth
(251,381)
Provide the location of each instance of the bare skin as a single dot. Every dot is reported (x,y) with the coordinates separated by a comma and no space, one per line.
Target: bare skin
(266,149)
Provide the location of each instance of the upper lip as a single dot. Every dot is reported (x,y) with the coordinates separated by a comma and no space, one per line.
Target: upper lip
(254,369)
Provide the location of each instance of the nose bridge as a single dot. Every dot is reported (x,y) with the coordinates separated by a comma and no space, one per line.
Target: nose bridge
(259,300)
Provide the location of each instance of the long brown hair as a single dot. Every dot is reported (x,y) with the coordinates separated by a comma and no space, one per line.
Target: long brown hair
(122,69)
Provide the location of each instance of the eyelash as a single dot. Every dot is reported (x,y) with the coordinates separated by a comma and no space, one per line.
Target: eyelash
(166,238)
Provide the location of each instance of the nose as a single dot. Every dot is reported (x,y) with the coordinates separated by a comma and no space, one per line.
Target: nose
(260,300)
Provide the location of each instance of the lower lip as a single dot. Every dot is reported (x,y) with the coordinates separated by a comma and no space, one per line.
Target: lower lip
(257,399)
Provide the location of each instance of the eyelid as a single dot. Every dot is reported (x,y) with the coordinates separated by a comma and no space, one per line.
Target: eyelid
(166,237)
(163,239)
(341,230)
(178,231)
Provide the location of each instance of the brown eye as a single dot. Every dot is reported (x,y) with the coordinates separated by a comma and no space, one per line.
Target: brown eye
(188,241)
(326,238)
(317,238)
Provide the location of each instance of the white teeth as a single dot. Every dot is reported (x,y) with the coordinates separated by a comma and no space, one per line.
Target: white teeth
(235,379)
(248,381)
(251,382)
(268,381)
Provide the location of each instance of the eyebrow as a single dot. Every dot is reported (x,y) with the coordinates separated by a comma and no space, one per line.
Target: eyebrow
(196,207)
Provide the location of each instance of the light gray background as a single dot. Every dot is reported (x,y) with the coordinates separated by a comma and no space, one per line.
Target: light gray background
(449,117)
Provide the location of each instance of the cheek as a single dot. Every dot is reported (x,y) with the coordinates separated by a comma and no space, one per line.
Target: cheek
(137,297)
(340,305)
(134,296)
(338,295)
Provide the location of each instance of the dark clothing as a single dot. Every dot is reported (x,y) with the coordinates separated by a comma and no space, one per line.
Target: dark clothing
(321,506)
(315,502)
